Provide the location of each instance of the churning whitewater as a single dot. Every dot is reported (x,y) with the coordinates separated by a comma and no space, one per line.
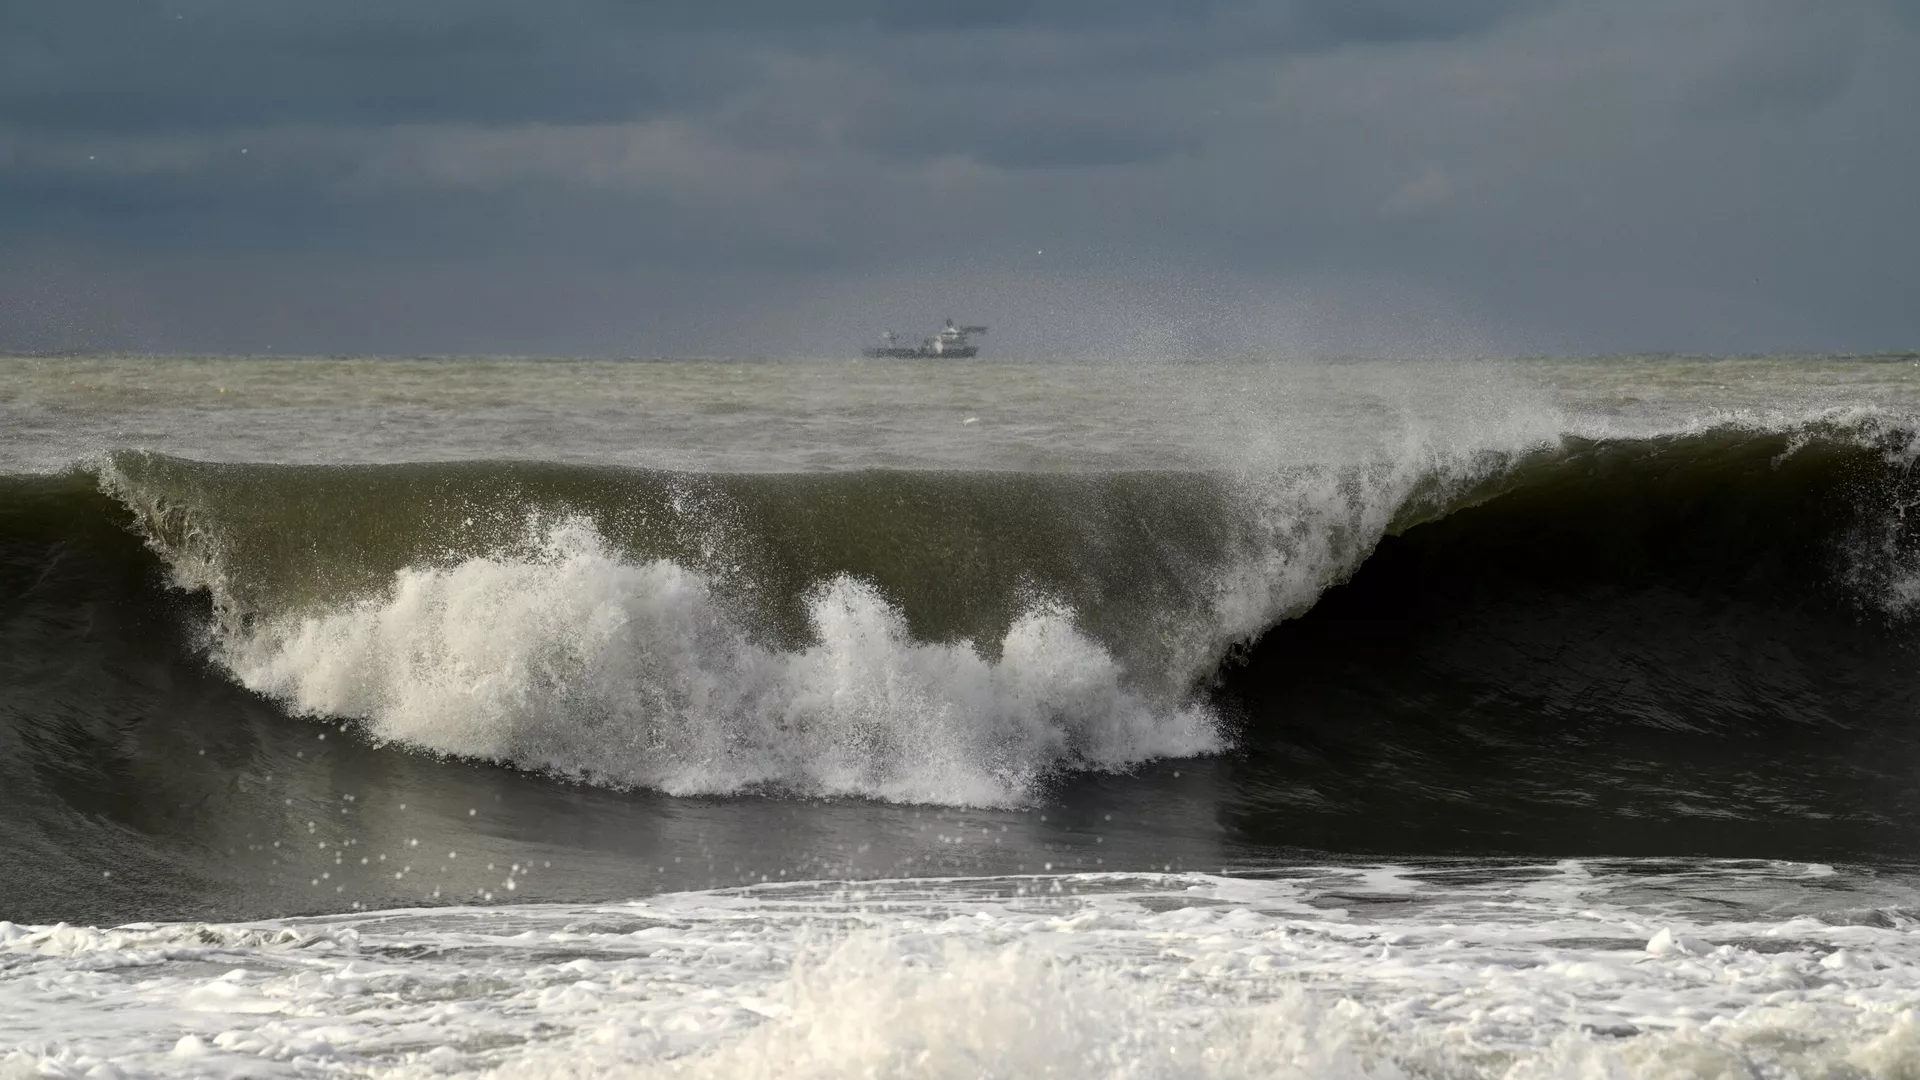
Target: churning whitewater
(573,660)
(1568,969)
(817,636)
(1528,719)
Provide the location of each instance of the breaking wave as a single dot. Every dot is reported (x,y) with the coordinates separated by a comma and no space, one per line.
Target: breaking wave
(957,638)
(573,659)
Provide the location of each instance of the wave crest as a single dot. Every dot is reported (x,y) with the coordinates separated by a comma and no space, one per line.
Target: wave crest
(958,638)
(575,660)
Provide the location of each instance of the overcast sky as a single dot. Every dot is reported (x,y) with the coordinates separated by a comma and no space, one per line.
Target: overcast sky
(1091,177)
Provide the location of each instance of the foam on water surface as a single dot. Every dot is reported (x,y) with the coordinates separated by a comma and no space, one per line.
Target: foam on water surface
(1601,969)
(578,661)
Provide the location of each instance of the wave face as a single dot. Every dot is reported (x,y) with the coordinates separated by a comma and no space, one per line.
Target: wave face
(970,638)
(1692,643)
(953,638)
(913,637)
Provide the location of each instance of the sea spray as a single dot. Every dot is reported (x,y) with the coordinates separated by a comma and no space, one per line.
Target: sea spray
(577,661)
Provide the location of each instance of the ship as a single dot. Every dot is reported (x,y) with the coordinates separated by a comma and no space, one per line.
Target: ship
(951,341)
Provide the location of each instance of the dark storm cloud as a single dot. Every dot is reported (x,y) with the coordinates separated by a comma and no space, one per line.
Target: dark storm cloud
(1401,21)
(138,65)
(132,66)
(1514,173)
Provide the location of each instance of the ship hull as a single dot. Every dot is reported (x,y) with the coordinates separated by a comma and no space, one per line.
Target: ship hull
(921,354)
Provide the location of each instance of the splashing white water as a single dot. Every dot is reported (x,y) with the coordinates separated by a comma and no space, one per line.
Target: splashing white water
(1581,970)
(572,659)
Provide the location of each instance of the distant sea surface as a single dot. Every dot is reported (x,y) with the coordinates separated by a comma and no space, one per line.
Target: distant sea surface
(527,717)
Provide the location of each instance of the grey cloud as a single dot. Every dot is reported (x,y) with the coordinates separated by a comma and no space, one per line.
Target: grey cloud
(1640,174)
(1783,55)
(133,65)
(128,66)
(1402,21)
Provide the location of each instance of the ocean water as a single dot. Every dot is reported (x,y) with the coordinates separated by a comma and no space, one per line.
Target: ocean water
(522,717)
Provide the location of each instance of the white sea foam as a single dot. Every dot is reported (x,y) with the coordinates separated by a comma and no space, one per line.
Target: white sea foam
(1574,970)
(571,658)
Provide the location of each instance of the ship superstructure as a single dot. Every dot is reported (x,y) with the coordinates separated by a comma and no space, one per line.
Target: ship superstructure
(951,341)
